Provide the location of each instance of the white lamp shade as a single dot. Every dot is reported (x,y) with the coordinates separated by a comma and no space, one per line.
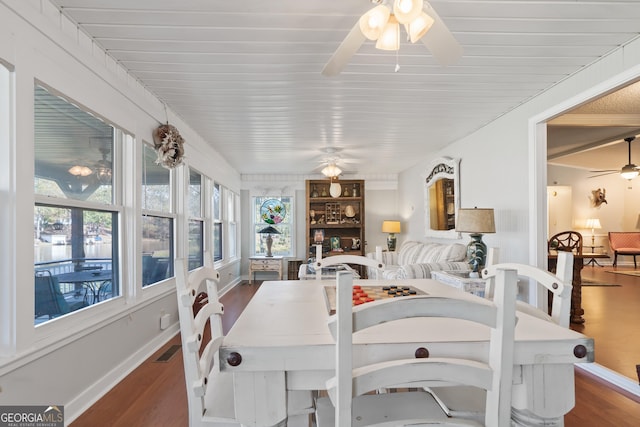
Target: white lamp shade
(390,37)
(593,223)
(406,11)
(419,27)
(372,23)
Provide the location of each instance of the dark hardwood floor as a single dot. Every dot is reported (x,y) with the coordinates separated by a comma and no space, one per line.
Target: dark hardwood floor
(154,394)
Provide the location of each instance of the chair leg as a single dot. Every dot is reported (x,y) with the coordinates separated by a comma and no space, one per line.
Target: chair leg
(615,259)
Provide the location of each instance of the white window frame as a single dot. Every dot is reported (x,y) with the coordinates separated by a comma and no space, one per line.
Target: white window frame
(146,212)
(217,222)
(116,207)
(202,218)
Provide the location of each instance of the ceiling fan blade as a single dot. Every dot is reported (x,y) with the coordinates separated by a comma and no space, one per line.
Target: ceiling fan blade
(606,170)
(345,51)
(603,174)
(439,40)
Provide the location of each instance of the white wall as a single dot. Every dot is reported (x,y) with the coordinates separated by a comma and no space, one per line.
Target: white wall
(620,213)
(503,164)
(380,205)
(75,359)
(381,202)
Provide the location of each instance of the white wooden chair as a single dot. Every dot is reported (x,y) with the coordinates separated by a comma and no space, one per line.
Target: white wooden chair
(559,285)
(350,402)
(209,392)
(375,266)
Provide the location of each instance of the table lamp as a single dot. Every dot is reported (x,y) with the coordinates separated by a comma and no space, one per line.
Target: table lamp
(269,231)
(593,223)
(391,227)
(476,222)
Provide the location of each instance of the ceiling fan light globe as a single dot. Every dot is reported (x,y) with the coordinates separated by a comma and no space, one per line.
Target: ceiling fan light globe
(372,23)
(331,170)
(629,171)
(78,170)
(419,27)
(390,37)
(406,11)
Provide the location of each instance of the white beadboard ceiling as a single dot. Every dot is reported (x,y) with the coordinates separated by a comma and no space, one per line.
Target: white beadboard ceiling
(246,76)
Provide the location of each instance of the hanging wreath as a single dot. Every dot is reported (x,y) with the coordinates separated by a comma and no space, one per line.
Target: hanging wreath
(169,146)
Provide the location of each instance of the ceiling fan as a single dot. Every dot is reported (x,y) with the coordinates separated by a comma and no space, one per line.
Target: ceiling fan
(334,166)
(628,171)
(382,23)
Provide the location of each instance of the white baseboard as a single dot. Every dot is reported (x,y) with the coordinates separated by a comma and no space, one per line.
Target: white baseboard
(612,377)
(86,399)
(90,396)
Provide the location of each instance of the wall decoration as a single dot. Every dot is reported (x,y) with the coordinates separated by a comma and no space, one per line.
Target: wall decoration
(169,146)
(273,211)
(598,197)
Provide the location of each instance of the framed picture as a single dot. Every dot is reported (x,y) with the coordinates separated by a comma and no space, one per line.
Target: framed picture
(318,236)
(335,243)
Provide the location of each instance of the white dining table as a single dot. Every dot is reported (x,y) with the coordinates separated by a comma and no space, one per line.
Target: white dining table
(280,351)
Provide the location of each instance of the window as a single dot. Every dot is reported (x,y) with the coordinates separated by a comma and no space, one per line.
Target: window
(233,208)
(77,210)
(196,220)
(157,220)
(283,242)
(217,222)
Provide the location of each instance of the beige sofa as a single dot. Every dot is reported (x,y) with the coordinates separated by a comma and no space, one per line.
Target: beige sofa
(416,260)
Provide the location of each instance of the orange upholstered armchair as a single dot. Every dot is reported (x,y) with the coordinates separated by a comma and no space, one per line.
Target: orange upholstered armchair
(624,243)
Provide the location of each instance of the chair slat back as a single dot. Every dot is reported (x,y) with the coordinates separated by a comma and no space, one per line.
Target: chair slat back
(495,375)
(559,284)
(199,352)
(375,265)
(566,241)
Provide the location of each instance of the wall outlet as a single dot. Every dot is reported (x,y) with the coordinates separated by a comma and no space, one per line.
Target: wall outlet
(165,320)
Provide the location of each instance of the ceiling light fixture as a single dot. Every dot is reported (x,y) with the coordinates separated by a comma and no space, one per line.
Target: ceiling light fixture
(383,25)
(103,172)
(629,171)
(78,170)
(332,171)
(104,168)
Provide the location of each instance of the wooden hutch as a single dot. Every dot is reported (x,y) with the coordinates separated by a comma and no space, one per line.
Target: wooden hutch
(335,222)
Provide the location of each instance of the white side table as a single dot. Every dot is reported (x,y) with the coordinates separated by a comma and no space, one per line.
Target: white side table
(461,280)
(263,263)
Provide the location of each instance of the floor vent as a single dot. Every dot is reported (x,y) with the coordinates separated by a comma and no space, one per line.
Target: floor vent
(167,355)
